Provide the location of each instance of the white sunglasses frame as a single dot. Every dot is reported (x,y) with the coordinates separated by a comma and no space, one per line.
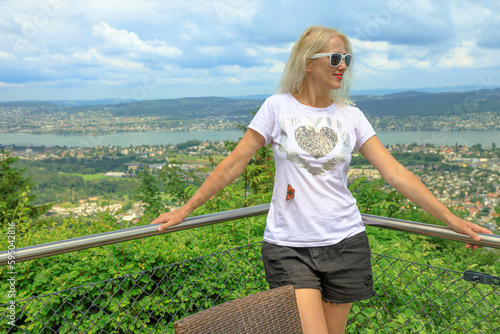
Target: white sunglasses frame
(319,55)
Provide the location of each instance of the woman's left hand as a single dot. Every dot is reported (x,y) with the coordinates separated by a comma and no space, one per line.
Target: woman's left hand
(412,188)
(465,227)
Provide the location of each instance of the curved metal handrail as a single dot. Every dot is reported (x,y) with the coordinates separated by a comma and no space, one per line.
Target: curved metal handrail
(107,238)
(488,240)
(102,239)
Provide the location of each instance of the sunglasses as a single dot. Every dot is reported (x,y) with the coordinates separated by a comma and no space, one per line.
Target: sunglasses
(335,58)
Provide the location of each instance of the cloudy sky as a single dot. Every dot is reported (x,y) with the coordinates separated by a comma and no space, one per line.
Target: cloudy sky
(149,49)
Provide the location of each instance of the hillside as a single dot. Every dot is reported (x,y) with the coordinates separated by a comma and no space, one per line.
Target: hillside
(199,107)
(430,104)
(396,104)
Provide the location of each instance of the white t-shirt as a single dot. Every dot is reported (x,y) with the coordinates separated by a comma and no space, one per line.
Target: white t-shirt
(311,205)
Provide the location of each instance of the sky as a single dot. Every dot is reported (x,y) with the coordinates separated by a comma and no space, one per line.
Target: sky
(162,49)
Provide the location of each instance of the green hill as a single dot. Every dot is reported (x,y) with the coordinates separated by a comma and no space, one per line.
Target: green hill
(430,104)
(396,104)
(196,107)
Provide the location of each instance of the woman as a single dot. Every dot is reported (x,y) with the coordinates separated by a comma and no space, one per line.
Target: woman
(314,237)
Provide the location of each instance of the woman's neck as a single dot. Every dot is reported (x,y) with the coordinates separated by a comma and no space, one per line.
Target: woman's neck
(313,99)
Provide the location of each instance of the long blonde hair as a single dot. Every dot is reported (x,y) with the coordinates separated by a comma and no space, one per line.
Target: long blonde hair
(312,41)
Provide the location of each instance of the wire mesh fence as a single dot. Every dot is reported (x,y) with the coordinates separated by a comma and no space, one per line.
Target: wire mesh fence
(411,298)
(416,298)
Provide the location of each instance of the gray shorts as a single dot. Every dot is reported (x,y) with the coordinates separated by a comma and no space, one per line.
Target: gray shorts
(342,272)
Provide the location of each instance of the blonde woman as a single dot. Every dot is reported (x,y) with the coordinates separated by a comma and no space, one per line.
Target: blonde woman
(314,237)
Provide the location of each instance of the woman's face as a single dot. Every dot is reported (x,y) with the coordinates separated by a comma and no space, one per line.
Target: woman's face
(319,71)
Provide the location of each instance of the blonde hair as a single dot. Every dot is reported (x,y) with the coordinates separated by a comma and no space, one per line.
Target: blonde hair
(312,41)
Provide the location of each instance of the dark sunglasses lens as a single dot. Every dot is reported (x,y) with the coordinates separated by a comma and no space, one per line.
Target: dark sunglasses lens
(335,59)
(348,59)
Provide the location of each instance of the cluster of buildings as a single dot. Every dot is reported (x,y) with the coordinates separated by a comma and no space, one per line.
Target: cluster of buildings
(485,121)
(57,120)
(468,178)
(90,207)
(155,152)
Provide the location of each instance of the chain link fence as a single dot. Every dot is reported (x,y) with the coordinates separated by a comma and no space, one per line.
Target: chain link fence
(411,298)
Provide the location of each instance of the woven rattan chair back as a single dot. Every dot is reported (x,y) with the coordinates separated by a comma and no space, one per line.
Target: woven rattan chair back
(272,311)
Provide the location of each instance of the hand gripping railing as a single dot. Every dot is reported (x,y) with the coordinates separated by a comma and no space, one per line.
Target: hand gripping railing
(488,240)
(96,240)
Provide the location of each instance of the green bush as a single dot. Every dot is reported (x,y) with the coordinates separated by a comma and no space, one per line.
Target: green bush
(114,298)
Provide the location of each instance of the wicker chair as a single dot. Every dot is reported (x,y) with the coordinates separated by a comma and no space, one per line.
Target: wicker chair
(272,311)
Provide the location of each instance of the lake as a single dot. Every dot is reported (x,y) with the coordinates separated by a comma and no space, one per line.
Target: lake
(437,138)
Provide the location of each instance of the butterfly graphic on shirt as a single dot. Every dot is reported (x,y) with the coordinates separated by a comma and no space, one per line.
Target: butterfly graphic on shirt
(290,193)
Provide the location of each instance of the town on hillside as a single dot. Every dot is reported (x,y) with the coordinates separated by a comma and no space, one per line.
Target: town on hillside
(99,120)
(466,178)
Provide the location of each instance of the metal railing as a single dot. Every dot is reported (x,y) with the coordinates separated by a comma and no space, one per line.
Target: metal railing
(411,297)
(102,239)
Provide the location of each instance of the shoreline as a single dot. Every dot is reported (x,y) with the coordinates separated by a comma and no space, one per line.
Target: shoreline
(165,137)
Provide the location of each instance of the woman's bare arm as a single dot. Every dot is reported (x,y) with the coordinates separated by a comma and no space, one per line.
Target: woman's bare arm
(412,188)
(225,173)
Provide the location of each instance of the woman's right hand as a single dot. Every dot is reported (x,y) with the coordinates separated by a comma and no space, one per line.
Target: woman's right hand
(169,219)
(225,173)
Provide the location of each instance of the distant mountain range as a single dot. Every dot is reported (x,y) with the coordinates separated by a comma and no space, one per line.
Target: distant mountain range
(430,104)
(393,104)
(385,91)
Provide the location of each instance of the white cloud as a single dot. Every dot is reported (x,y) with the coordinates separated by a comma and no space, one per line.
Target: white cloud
(380,61)
(87,57)
(10,85)
(468,17)
(422,8)
(60,58)
(381,55)
(252,52)
(370,46)
(273,50)
(477,21)
(458,57)
(93,57)
(234,9)
(212,50)
(130,42)
(274,66)
(362,71)
(114,10)
(6,55)
(191,29)
(260,50)
(220,42)
(418,64)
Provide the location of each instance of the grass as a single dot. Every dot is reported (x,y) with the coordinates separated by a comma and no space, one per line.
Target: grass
(88,177)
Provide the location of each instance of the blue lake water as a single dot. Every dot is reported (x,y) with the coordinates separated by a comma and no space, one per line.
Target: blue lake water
(437,138)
